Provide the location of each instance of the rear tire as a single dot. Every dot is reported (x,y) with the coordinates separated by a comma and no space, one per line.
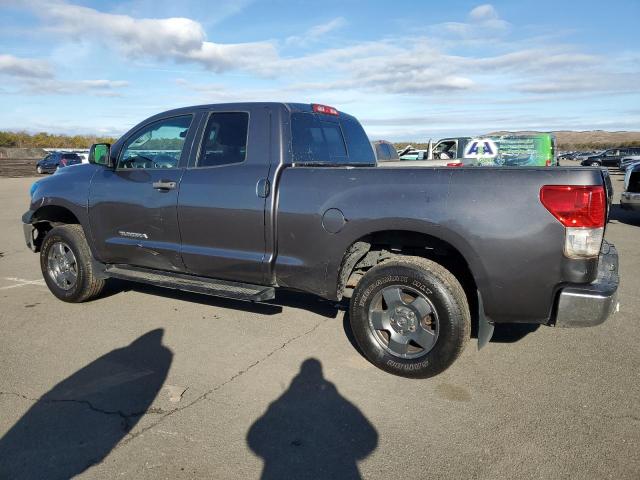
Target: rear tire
(410,317)
(66,264)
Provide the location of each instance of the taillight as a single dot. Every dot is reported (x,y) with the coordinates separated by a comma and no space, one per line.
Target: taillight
(63,162)
(324,109)
(581,209)
(455,164)
(575,206)
(547,163)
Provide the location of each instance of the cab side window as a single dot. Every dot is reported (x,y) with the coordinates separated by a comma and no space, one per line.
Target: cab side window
(225,139)
(156,146)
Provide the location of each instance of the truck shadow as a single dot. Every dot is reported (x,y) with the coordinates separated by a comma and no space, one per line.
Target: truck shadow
(628,217)
(311,431)
(503,333)
(77,423)
(283,298)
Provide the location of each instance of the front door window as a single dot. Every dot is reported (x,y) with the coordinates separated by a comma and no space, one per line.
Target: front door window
(156,146)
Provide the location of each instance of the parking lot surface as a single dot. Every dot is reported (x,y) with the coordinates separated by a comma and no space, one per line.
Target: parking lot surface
(151,383)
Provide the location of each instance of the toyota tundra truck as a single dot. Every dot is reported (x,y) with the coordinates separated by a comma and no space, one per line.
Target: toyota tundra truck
(241,199)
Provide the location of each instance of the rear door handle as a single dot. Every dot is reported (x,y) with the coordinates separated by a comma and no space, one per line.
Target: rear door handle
(164,185)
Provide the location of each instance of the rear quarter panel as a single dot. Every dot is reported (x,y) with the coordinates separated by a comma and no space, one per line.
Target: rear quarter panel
(493,217)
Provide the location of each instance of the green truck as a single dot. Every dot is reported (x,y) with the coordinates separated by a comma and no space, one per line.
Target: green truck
(508,150)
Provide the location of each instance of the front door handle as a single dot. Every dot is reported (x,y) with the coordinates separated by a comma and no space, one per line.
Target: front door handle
(262,188)
(164,185)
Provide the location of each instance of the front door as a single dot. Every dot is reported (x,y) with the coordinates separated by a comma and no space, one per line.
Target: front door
(133,208)
(611,158)
(222,197)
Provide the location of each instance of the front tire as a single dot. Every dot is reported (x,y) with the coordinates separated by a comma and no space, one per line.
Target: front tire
(595,164)
(410,317)
(39,170)
(66,264)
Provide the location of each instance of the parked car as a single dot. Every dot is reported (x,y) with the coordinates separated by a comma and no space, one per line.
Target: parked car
(581,156)
(385,151)
(414,154)
(610,157)
(630,198)
(420,158)
(627,161)
(53,161)
(271,195)
(567,156)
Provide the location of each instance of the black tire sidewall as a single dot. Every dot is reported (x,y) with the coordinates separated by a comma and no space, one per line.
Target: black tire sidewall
(62,234)
(451,328)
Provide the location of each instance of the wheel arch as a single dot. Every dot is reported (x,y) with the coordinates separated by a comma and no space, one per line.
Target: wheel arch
(49,216)
(380,245)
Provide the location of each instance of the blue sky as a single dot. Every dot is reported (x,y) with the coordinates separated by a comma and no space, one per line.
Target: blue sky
(409,70)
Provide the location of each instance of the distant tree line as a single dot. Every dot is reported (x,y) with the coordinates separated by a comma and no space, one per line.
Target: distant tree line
(48,140)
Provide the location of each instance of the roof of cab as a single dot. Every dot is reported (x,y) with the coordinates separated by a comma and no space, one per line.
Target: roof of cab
(290,106)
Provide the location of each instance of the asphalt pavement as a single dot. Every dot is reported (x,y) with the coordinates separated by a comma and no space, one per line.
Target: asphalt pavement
(151,383)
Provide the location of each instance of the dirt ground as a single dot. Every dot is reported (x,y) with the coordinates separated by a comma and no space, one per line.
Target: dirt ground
(18,167)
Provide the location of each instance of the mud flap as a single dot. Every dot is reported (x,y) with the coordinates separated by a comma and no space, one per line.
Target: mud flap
(485,325)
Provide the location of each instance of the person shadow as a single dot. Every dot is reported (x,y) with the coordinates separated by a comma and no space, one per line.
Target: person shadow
(311,431)
(77,423)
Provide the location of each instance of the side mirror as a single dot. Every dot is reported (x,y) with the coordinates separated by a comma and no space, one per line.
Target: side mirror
(100,154)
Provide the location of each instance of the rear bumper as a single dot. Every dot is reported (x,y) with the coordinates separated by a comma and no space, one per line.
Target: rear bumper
(591,304)
(630,201)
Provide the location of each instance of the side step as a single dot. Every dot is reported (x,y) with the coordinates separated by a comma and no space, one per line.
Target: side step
(191,283)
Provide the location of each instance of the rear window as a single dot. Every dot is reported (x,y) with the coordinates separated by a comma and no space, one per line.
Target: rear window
(382,153)
(319,140)
(393,155)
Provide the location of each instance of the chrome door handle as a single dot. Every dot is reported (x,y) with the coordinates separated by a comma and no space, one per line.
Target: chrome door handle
(164,185)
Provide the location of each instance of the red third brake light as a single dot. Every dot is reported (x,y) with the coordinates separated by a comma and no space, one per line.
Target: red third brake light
(575,205)
(324,109)
(454,164)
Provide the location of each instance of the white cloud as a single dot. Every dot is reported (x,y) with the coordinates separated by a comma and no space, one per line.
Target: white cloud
(24,67)
(36,76)
(101,88)
(317,32)
(324,28)
(569,83)
(483,13)
(178,39)
(408,69)
(483,22)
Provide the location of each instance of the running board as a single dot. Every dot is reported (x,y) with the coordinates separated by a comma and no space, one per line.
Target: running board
(191,283)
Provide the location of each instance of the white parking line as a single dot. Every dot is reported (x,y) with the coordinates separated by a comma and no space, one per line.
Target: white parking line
(22,282)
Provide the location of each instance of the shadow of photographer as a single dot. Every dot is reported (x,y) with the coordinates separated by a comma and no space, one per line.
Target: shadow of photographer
(311,431)
(77,423)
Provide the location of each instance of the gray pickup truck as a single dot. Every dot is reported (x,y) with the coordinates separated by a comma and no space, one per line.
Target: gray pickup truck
(237,200)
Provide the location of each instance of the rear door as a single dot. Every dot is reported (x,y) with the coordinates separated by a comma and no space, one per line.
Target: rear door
(221,209)
(611,157)
(53,162)
(133,208)
(46,162)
